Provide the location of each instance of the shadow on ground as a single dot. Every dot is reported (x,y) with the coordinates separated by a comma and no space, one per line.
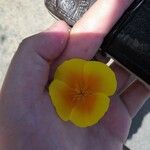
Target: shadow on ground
(137,121)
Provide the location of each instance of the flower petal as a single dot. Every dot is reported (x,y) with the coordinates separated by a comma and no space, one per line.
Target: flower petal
(100,77)
(61,98)
(90,110)
(70,71)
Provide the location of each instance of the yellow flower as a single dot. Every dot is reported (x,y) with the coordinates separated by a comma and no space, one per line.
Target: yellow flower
(80,91)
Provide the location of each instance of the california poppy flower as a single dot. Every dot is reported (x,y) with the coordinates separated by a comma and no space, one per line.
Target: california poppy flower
(80,91)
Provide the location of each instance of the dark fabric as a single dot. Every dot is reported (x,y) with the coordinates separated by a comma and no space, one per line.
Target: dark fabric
(125,148)
(131,43)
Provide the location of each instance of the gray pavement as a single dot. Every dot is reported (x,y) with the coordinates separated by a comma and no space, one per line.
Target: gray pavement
(19,19)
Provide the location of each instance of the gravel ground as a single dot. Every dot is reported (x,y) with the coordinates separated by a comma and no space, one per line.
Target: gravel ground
(19,19)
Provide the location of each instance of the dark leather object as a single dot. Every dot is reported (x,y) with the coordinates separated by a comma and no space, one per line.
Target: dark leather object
(129,40)
(129,43)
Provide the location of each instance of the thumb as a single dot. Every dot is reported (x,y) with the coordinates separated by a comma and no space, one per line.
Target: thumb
(29,69)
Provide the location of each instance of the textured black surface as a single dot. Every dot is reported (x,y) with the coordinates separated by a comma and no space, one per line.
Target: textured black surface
(125,148)
(129,40)
(131,45)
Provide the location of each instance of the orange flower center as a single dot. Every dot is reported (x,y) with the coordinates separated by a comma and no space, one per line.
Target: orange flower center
(83,86)
(81,93)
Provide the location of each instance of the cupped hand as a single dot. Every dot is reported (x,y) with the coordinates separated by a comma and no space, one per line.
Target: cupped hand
(28,120)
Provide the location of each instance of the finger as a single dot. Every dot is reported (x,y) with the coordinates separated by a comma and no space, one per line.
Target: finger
(135,96)
(124,78)
(88,33)
(29,69)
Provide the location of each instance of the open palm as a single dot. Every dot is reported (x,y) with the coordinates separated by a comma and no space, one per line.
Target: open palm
(28,120)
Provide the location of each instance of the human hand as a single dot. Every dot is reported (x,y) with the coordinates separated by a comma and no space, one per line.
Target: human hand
(27,118)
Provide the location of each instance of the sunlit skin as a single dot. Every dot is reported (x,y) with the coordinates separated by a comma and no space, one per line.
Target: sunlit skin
(80,91)
(28,120)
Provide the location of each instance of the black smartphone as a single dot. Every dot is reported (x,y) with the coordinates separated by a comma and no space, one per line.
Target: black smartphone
(129,40)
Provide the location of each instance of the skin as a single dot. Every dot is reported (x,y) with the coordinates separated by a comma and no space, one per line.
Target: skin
(28,120)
